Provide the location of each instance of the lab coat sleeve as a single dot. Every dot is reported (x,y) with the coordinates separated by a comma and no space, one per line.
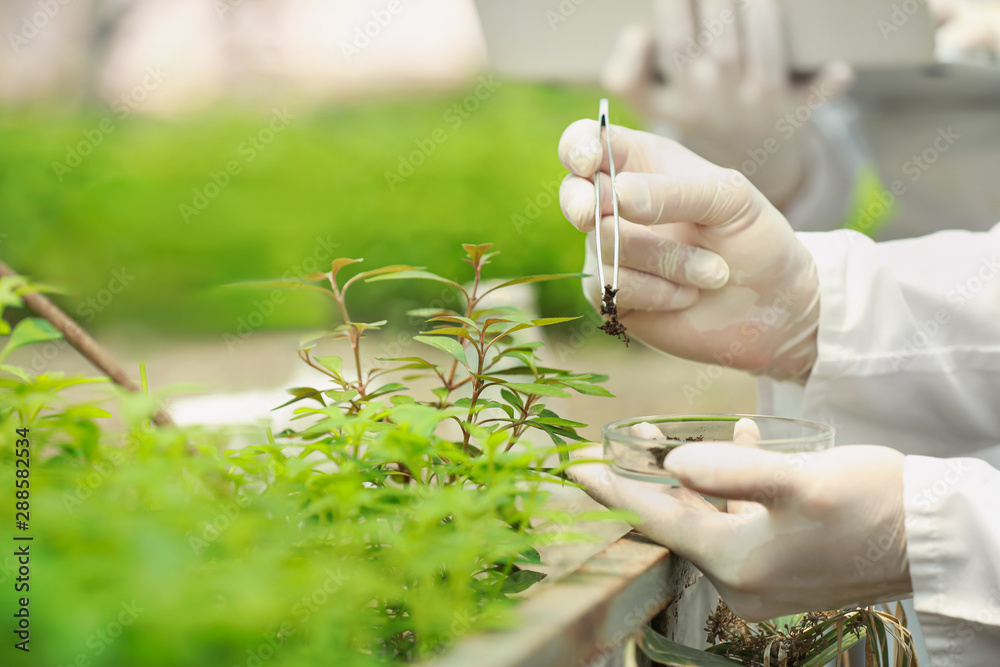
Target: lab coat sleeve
(953,543)
(908,348)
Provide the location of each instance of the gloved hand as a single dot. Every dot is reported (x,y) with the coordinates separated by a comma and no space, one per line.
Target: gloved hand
(717,70)
(821,531)
(711,271)
(966,26)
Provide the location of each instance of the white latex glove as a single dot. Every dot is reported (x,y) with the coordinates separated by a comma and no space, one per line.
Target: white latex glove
(717,70)
(827,532)
(967,26)
(711,271)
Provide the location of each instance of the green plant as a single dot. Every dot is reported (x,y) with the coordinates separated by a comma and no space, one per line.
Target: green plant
(369,535)
(811,639)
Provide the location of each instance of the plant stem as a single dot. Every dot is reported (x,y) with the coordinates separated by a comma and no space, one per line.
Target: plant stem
(82,341)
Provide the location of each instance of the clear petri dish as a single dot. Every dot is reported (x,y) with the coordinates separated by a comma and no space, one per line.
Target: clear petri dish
(642,459)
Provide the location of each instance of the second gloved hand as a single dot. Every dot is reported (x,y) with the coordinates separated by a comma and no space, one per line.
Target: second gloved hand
(817,531)
(711,270)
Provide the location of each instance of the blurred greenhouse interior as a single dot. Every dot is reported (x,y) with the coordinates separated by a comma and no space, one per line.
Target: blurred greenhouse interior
(158,151)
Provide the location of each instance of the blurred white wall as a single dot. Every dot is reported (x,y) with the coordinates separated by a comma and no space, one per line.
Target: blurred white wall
(169,55)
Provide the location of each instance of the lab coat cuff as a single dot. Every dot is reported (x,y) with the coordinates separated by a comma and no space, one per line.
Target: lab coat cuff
(951,546)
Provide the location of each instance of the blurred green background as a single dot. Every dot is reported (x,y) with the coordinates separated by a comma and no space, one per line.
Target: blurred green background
(322,177)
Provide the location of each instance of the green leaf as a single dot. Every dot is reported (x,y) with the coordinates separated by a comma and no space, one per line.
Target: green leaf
(521,580)
(361,327)
(302,393)
(333,364)
(449,331)
(534,279)
(29,331)
(390,388)
(538,389)
(829,653)
(340,396)
(587,388)
(416,275)
(340,263)
(20,373)
(530,555)
(395,268)
(661,649)
(476,252)
(449,345)
(457,319)
(414,362)
(558,421)
(88,412)
(511,398)
(543,322)
(402,400)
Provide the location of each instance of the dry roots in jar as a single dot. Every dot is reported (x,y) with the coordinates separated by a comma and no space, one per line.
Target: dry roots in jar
(608,307)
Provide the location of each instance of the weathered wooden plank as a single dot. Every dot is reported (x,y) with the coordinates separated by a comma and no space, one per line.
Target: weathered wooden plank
(583,620)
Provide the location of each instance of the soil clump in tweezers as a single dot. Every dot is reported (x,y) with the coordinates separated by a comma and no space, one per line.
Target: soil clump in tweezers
(609,308)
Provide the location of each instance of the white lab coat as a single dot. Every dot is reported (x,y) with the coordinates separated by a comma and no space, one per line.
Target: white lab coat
(909,357)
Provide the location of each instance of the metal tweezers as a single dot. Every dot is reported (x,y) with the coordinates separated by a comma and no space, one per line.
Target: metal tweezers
(603,126)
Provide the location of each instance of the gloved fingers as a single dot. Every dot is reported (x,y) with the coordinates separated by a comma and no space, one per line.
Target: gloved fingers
(765,60)
(636,290)
(644,250)
(832,81)
(604,486)
(717,19)
(943,10)
(714,197)
(733,472)
(646,431)
(974,27)
(580,150)
(576,199)
(633,150)
(628,73)
(674,25)
(669,515)
(746,432)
